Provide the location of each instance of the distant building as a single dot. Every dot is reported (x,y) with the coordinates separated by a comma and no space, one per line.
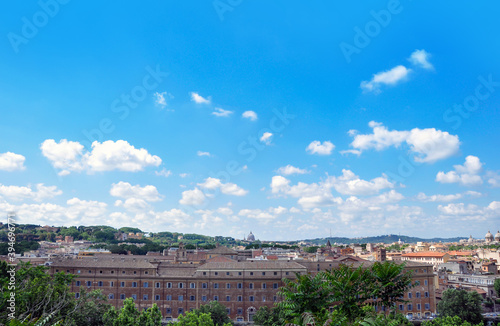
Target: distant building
(251,237)
(429,257)
(380,254)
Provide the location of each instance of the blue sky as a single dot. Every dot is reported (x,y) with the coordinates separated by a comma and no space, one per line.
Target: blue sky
(287,119)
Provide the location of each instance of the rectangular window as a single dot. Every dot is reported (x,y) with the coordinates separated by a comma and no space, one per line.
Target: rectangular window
(228,311)
(122,296)
(426,294)
(264,285)
(419,306)
(251,273)
(146,284)
(122,284)
(157,285)
(145,297)
(180,311)
(89,283)
(251,298)
(250,285)
(401,307)
(169,297)
(240,298)
(134,296)
(240,285)
(169,285)
(181,285)
(134,284)
(409,295)
(111,284)
(263,298)
(204,298)
(168,310)
(77,295)
(425,282)
(228,298)
(77,283)
(157,297)
(417,294)
(192,298)
(275,285)
(216,285)
(240,311)
(216,298)
(99,283)
(192,285)
(204,285)
(181,298)
(427,306)
(410,307)
(263,273)
(228,285)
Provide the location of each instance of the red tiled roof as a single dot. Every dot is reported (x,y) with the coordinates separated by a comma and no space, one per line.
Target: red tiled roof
(425,254)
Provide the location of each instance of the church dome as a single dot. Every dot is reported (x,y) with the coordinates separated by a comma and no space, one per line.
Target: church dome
(471,240)
(497,236)
(489,236)
(251,237)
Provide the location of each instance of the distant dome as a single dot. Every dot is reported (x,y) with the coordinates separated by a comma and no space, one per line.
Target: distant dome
(470,239)
(489,236)
(251,237)
(497,236)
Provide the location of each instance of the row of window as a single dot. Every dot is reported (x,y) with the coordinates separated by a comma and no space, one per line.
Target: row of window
(101,272)
(181,297)
(146,272)
(241,273)
(179,285)
(417,295)
(419,307)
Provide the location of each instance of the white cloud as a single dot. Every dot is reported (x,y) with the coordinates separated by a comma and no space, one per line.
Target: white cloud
(250,115)
(11,162)
(438,198)
(66,155)
(263,216)
(289,170)
(69,156)
(41,192)
(197,98)
(193,197)
(389,77)
(200,153)
(421,58)
(222,113)
(225,211)
(133,204)
(126,190)
(493,179)
(316,147)
(160,99)
(351,184)
(429,144)
(266,138)
(183,175)
(225,188)
(164,173)
(466,174)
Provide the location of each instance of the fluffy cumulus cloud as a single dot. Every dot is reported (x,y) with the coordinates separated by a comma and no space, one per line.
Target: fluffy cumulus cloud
(469,212)
(251,115)
(289,170)
(197,98)
(218,112)
(68,156)
(163,173)
(266,138)
(467,174)
(126,190)
(263,216)
(226,188)
(390,77)
(201,153)
(320,194)
(420,58)
(319,148)
(429,145)
(37,193)
(493,179)
(11,161)
(194,197)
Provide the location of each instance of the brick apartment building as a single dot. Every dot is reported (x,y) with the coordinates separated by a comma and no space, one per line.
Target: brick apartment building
(241,286)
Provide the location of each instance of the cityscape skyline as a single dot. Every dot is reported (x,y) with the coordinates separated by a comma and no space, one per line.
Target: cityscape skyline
(196,118)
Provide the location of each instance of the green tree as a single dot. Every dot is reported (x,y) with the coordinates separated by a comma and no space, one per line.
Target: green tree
(217,312)
(266,316)
(464,304)
(390,282)
(307,293)
(449,321)
(496,285)
(194,319)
